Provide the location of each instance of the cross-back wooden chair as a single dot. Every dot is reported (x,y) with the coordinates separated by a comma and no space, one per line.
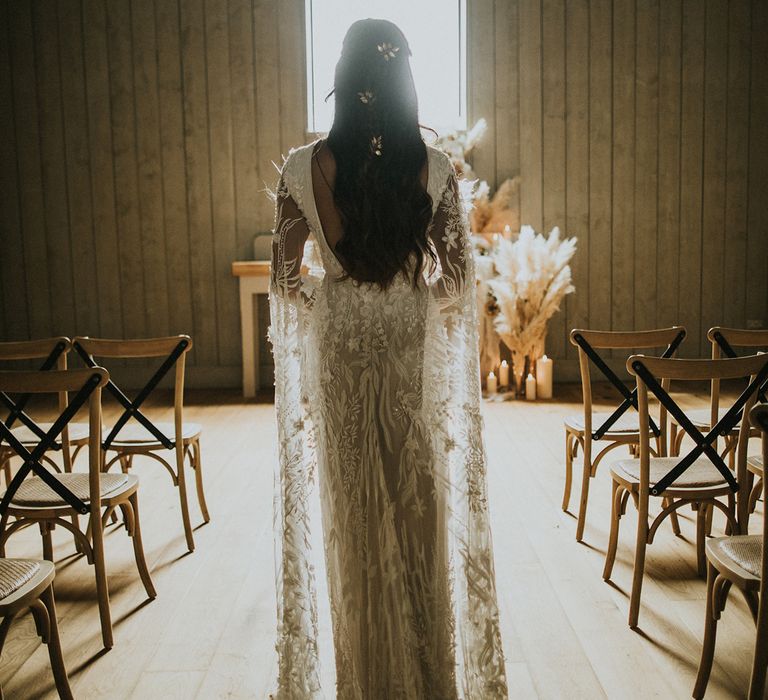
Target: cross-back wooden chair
(739,561)
(53,353)
(28,584)
(698,478)
(135,434)
(47,498)
(724,343)
(611,429)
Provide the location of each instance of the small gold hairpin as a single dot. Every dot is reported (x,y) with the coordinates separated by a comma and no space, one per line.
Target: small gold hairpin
(376,145)
(366,97)
(388,50)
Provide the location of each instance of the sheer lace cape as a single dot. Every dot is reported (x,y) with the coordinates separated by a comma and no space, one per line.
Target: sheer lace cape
(378,409)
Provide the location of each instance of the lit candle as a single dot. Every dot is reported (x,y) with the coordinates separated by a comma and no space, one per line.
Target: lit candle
(544,377)
(504,374)
(530,388)
(491,383)
(507,232)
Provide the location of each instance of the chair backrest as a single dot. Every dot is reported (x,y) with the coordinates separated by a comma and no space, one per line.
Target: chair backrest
(53,351)
(724,341)
(173,349)
(86,386)
(650,370)
(589,342)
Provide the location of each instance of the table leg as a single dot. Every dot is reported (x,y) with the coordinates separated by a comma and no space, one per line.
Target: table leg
(250,353)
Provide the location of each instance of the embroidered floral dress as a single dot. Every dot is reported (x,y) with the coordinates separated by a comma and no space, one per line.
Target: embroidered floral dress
(377,396)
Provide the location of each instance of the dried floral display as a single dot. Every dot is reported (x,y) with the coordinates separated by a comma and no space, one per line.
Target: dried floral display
(532,277)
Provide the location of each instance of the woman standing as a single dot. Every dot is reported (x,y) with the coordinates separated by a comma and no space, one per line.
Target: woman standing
(377,397)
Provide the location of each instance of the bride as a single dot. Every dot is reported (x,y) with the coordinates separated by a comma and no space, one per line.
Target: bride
(377,396)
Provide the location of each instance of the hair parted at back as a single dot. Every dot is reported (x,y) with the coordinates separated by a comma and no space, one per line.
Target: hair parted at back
(379,152)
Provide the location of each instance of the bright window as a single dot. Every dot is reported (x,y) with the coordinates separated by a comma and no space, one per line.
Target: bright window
(436,32)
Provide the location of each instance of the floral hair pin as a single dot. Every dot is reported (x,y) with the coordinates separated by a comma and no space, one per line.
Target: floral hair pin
(366,97)
(376,145)
(388,50)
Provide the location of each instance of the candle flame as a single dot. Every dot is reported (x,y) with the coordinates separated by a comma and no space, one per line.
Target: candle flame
(503,363)
(491,374)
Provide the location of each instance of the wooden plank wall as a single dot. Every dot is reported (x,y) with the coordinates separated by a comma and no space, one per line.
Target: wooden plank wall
(638,126)
(137,137)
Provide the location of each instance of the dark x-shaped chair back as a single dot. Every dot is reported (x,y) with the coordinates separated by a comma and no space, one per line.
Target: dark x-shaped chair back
(83,383)
(171,349)
(647,370)
(53,351)
(671,337)
(723,340)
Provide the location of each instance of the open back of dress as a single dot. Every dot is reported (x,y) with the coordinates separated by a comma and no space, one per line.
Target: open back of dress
(378,405)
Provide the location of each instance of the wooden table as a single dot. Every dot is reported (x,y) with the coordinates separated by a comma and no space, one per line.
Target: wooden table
(254,279)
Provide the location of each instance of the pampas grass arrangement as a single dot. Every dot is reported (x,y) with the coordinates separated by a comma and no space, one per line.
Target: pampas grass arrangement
(533,275)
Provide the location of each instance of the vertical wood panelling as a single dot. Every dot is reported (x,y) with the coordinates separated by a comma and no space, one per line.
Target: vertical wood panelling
(12,277)
(713,214)
(553,150)
(110,294)
(529,55)
(32,203)
(691,148)
(142,134)
(174,174)
(737,156)
(78,175)
(646,165)
(150,165)
(577,161)
(600,192)
(757,240)
(623,142)
(668,127)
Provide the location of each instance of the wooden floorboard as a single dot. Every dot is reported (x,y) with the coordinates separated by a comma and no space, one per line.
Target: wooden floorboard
(210,632)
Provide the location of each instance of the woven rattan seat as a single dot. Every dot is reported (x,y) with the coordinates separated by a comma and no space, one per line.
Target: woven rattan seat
(628,423)
(35,492)
(14,573)
(701,473)
(78,432)
(133,432)
(700,417)
(745,551)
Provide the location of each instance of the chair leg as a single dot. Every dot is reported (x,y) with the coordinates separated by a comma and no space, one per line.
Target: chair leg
(198,467)
(701,536)
(586,475)
(102,587)
(568,469)
(610,555)
(183,497)
(672,516)
(138,547)
(760,662)
(639,568)
(54,646)
(710,634)
(45,532)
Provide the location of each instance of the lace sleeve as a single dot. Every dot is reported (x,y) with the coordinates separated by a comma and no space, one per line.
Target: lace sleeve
(290,235)
(450,236)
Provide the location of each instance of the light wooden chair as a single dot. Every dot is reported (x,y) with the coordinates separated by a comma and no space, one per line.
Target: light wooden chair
(47,498)
(739,561)
(699,478)
(26,583)
(53,352)
(722,341)
(619,427)
(141,436)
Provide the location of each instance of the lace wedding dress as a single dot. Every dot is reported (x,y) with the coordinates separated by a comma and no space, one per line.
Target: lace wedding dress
(377,396)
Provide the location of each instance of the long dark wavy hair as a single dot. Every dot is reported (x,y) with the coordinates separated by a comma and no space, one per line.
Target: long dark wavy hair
(379,152)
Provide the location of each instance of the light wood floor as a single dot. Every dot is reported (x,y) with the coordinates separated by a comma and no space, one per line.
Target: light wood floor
(209,633)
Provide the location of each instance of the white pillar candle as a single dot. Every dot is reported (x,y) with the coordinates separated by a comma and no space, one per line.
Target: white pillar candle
(544,377)
(491,383)
(504,374)
(507,232)
(530,388)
